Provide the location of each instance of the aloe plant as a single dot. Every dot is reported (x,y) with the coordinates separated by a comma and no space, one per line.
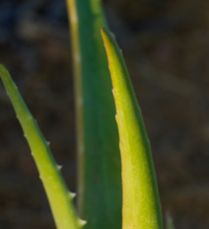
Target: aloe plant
(99,182)
(141,205)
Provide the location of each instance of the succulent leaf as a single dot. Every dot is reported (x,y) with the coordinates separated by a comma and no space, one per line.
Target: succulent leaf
(141,205)
(49,172)
(99,174)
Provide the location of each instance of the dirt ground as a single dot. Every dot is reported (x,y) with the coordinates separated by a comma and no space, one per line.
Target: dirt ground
(166,45)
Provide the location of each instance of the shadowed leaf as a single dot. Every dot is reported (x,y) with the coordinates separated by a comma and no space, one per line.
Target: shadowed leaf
(99,175)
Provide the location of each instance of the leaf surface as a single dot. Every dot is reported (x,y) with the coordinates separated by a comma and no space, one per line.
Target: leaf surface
(141,205)
(58,195)
(99,174)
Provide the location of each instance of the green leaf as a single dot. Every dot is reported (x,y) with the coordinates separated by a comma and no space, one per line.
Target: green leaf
(58,195)
(141,205)
(99,174)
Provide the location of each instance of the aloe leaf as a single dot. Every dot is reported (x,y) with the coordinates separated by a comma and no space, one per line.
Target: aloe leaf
(141,205)
(58,195)
(99,174)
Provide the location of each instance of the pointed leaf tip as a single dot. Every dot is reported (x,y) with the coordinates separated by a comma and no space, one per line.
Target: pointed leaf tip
(106,36)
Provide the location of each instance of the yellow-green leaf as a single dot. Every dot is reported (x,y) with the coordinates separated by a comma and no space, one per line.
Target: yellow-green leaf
(58,195)
(141,205)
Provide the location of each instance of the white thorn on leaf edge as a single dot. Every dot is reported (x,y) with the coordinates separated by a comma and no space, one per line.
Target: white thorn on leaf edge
(82,222)
(72,195)
(59,167)
(48,143)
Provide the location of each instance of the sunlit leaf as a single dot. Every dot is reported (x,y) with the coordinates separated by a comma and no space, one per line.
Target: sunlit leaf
(58,195)
(141,206)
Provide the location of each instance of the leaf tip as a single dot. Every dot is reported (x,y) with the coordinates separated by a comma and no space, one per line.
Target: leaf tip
(106,37)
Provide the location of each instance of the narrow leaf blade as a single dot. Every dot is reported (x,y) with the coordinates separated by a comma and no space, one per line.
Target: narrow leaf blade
(56,190)
(141,205)
(99,174)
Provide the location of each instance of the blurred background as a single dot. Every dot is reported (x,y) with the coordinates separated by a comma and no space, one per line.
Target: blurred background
(166,46)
